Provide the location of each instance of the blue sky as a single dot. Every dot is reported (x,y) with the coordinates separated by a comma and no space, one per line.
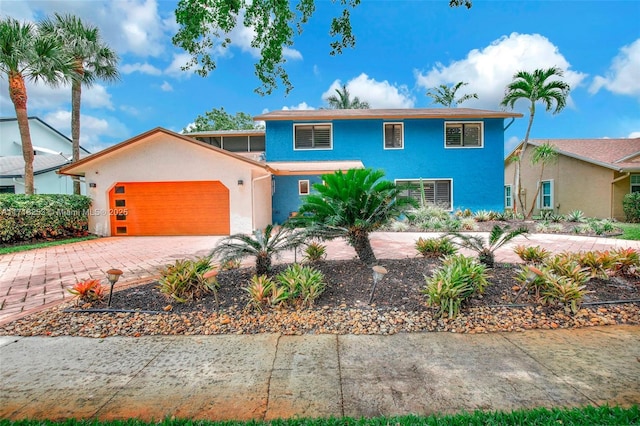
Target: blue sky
(403,48)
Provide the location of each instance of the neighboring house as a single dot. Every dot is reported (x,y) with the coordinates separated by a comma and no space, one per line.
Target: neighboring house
(165,183)
(52,150)
(591,175)
(456,153)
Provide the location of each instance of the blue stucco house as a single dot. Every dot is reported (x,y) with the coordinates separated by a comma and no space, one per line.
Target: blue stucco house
(457,153)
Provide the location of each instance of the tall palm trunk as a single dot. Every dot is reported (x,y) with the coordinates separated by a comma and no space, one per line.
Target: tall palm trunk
(518,182)
(18,95)
(76,95)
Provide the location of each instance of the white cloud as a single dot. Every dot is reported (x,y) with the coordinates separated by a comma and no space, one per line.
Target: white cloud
(92,129)
(128,26)
(129,110)
(96,96)
(143,68)
(141,27)
(622,76)
(175,68)
(300,106)
(379,94)
(633,135)
(166,87)
(490,70)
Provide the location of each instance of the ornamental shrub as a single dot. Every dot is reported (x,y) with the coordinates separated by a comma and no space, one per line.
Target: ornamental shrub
(26,217)
(631,206)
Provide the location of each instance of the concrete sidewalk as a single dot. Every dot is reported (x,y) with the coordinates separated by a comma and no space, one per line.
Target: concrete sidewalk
(272,376)
(34,280)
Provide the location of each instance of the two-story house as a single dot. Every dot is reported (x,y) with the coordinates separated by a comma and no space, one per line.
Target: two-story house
(456,153)
(221,182)
(52,150)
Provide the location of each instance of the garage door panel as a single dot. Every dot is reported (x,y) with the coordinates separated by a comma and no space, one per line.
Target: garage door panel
(170,208)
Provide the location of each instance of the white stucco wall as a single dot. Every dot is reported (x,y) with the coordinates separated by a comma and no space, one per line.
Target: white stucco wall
(162,157)
(46,183)
(41,136)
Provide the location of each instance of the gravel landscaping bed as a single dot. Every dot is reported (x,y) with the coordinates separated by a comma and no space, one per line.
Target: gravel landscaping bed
(343,308)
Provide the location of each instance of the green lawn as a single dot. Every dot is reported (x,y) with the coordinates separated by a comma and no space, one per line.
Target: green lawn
(540,416)
(631,231)
(24,247)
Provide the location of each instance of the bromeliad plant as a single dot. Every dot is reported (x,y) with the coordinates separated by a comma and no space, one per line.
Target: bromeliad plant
(498,237)
(456,280)
(435,247)
(314,252)
(185,280)
(263,245)
(297,285)
(88,290)
(532,254)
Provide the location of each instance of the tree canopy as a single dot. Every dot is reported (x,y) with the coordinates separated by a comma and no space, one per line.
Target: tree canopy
(446,95)
(219,119)
(205,26)
(93,59)
(342,100)
(28,55)
(540,85)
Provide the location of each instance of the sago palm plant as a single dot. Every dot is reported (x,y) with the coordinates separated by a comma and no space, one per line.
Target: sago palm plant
(351,205)
(498,237)
(262,244)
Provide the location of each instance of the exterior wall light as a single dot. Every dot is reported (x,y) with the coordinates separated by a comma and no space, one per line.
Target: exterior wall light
(240,182)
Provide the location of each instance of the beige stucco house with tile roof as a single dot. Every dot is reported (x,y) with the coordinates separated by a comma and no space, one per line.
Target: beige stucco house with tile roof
(592,175)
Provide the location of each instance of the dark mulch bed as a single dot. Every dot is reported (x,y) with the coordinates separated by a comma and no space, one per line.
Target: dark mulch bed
(349,284)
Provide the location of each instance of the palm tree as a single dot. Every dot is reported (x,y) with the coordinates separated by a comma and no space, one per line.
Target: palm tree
(263,245)
(535,87)
(446,95)
(498,237)
(25,54)
(351,205)
(92,60)
(543,154)
(343,100)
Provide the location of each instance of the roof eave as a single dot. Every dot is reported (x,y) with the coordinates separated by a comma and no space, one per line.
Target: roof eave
(68,169)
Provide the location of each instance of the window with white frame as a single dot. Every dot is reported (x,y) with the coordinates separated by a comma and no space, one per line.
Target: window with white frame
(508,197)
(393,136)
(635,183)
(312,136)
(430,191)
(545,200)
(303,187)
(463,135)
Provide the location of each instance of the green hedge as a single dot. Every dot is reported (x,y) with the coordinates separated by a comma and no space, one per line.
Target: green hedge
(28,217)
(631,206)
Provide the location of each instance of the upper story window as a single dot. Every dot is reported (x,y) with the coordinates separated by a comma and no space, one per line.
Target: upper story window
(393,136)
(312,136)
(463,135)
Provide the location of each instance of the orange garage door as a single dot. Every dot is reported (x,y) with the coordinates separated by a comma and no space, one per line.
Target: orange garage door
(169,208)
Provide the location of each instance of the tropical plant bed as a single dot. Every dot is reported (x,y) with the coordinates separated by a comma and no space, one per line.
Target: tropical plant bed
(592,229)
(398,306)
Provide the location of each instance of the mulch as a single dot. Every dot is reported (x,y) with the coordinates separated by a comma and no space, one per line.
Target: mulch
(398,306)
